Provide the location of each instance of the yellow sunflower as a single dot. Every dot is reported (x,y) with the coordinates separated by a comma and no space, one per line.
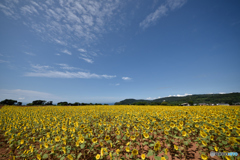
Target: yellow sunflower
(143,156)
(184,133)
(163,158)
(38,156)
(216,148)
(204,157)
(57,139)
(133,138)
(127,149)
(70,157)
(175,147)
(204,143)
(135,152)
(97,156)
(107,138)
(94,140)
(146,135)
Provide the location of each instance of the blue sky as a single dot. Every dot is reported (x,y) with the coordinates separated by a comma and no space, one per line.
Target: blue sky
(109,50)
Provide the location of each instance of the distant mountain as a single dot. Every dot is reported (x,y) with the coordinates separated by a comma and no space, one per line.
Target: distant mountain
(229,98)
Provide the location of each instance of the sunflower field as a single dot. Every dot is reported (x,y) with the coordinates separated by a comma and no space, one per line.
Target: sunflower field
(119,132)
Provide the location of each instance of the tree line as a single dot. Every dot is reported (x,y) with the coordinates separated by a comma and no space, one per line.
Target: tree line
(45,103)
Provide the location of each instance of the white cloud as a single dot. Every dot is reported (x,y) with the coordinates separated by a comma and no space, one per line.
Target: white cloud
(27,95)
(87,59)
(66,67)
(28,9)
(126,78)
(117,84)
(150,98)
(60,42)
(2,61)
(28,53)
(57,54)
(67,52)
(151,18)
(38,67)
(81,50)
(178,95)
(43,71)
(173,4)
(222,93)
(63,21)
(161,11)
(58,74)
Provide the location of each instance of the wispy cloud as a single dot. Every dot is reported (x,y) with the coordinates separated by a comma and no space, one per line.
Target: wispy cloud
(67,67)
(59,74)
(126,78)
(63,22)
(44,71)
(161,11)
(81,50)
(31,54)
(174,4)
(86,59)
(26,95)
(179,95)
(153,17)
(2,61)
(67,52)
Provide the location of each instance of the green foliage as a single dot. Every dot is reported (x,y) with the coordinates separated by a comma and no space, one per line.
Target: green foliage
(8,102)
(230,98)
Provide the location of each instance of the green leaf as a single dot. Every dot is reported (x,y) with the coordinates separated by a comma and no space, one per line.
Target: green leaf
(157,158)
(82,146)
(118,137)
(45,156)
(211,148)
(224,142)
(166,156)
(150,153)
(145,143)
(79,155)
(186,143)
(151,145)
(62,158)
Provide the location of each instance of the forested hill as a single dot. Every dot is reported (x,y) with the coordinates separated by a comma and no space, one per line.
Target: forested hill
(230,98)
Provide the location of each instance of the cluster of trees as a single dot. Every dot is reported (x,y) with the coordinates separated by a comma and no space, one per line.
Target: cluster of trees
(152,103)
(45,103)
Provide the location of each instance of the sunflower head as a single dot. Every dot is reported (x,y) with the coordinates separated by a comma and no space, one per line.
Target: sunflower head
(143,156)
(94,140)
(184,133)
(145,135)
(70,157)
(57,139)
(107,138)
(204,157)
(135,152)
(133,138)
(127,149)
(97,156)
(175,147)
(163,158)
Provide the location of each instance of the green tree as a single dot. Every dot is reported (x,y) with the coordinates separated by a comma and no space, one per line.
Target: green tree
(190,102)
(164,103)
(38,102)
(8,102)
